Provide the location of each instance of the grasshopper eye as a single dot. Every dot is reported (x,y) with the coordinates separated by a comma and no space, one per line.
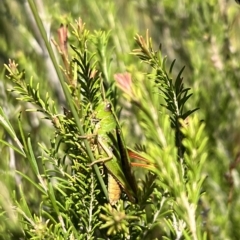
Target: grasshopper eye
(108,107)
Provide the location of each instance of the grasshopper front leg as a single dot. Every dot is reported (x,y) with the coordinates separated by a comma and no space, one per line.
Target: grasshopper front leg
(106,150)
(114,190)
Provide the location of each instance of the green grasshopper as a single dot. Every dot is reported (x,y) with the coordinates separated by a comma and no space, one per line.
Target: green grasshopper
(119,170)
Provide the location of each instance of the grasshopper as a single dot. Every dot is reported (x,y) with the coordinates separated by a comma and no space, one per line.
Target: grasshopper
(118,164)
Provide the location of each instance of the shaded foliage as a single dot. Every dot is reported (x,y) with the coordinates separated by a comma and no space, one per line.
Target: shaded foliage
(48,193)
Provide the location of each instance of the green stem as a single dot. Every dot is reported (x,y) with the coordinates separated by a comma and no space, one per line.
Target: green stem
(66,92)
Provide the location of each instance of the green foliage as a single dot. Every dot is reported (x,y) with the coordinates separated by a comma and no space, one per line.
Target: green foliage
(187,167)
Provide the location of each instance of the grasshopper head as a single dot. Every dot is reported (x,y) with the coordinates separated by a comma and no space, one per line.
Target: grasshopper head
(103,110)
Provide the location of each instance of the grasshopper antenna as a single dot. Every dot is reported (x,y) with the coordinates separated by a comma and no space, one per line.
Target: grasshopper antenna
(103,90)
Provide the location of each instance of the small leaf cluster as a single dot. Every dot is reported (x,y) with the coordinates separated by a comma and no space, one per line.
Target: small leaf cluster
(174,142)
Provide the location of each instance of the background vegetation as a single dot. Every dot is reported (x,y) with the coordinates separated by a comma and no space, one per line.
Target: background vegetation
(203,36)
